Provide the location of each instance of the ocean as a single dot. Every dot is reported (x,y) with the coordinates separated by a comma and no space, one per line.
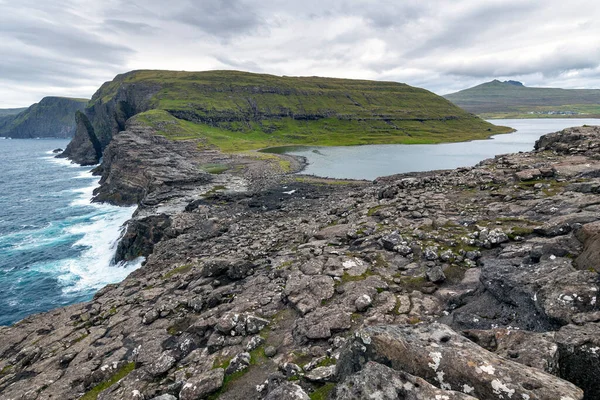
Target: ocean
(56,247)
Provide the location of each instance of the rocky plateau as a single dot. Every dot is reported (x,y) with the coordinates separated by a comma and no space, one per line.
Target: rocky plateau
(474,283)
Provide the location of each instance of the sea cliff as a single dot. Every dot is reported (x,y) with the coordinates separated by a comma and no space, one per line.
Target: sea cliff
(234,111)
(51,117)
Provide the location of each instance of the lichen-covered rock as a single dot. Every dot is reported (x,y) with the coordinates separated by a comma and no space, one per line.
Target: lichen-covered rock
(198,387)
(288,391)
(442,357)
(376,381)
(579,357)
(305,292)
(321,374)
(538,350)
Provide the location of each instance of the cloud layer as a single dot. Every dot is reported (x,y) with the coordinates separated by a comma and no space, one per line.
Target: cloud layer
(70,47)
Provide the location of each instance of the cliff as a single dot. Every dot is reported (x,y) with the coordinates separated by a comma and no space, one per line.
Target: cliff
(51,117)
(511,99)
(475,283)
(234,111)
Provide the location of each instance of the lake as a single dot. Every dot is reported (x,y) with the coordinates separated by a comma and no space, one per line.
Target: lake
(372,161)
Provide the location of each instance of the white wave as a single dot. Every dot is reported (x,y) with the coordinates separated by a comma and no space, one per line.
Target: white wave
(86,175)
(95,268)
(61,161)
(84,196)
(100,232)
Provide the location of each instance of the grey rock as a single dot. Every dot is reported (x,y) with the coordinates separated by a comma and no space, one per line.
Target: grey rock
(435,274)
(363,302)
(163,364)
(306,292)
(439,355)
(270,351)
(376,381)
(164,397)
(238,363)
(198,387)
(287,391)
(321,374)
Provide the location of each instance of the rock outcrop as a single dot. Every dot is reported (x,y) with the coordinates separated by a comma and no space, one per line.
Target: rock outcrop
(462,284)
(84,147)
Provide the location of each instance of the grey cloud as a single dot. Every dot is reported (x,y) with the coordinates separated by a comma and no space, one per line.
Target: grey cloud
(550,65)
(130,27)
(221,18)
(475,26)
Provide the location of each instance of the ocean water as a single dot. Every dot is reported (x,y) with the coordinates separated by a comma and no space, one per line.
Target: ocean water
(56,247)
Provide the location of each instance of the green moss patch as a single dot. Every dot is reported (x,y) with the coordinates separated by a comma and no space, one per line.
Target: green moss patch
(116,377)
(323,392)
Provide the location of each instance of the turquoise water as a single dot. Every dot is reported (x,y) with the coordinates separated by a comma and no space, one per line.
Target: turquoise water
(372,161)
(56,247)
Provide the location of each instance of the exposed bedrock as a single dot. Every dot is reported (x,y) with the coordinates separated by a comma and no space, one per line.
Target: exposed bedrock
(477,282)
(442,357)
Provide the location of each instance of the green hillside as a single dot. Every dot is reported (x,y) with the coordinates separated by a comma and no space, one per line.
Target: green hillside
(238,110)
(51,117)
(511,99)
(5,112)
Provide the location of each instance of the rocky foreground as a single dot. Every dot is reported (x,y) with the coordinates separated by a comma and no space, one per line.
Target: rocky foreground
(475,283)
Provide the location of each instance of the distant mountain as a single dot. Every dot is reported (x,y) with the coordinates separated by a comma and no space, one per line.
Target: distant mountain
(51,117)
(7,112)
(513,99)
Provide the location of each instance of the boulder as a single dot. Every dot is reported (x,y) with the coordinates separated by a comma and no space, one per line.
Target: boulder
(305,292)
(376,381)
(201,386)
(288,391)
(579,357)
(443,357)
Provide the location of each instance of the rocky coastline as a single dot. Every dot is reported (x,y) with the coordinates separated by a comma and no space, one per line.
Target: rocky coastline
(474,283)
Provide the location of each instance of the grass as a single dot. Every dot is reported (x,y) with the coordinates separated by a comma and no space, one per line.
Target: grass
(116,377)
(323,392)
(215,168)
(257,357)
(237,111)
(6,370)
(179,270)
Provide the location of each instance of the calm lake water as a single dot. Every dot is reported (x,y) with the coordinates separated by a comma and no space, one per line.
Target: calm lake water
(372,161)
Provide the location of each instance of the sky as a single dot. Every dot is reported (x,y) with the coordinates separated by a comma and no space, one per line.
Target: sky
(70,47)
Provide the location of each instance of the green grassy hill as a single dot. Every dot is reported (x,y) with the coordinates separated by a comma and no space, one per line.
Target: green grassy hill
(9,114)
(51,117)
(5,112)
(239,111)
(511,99)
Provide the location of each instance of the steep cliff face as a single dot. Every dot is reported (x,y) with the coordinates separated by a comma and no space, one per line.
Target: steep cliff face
(85,147)
(107,112)
(51,117)
(233,110)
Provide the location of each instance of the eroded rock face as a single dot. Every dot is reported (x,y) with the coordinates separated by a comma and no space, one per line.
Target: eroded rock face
(442,357)
(84,148)
(138,165)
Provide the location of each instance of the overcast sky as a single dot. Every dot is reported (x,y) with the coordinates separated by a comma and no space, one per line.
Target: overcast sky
(70,47)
